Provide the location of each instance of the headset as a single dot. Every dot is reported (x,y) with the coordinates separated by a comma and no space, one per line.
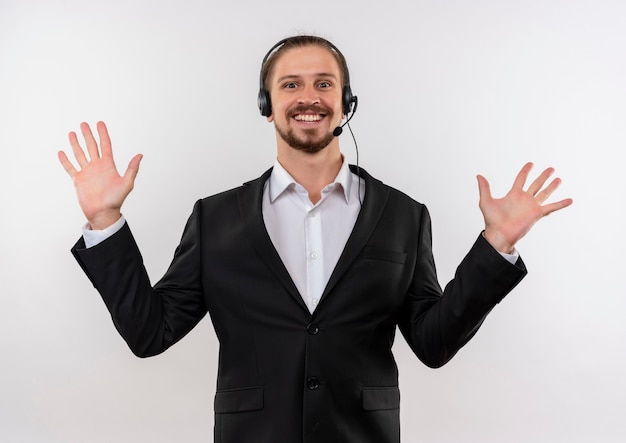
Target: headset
(348,100)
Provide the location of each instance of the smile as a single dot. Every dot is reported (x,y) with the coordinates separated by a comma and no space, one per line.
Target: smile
(308,117)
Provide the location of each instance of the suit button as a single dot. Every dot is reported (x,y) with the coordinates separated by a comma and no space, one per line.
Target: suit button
(313,329)
(313,383)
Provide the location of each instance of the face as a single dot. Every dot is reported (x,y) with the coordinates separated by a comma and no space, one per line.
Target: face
(305,90)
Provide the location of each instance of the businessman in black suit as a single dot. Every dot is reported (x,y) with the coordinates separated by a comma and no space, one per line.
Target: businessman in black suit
(305,271)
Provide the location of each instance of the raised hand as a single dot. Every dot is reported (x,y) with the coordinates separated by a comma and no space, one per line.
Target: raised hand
(100,189)
(508,219)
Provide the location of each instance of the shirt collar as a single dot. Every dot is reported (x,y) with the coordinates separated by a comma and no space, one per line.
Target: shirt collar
(280,180)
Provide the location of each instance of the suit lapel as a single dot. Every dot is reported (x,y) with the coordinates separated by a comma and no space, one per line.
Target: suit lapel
(373,206)
(250,200)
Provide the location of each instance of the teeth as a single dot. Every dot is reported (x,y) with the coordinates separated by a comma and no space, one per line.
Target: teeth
(308,118)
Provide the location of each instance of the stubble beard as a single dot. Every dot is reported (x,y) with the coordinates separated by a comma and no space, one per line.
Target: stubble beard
(308,143)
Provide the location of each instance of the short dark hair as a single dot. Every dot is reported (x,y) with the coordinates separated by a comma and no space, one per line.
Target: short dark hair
(300,41)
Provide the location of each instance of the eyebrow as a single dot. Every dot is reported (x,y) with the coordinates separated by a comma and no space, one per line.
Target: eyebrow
(295,76)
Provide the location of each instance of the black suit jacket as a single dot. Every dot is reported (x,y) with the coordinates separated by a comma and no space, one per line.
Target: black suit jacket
(286,375)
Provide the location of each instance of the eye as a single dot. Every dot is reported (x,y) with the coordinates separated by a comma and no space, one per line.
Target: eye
(324,85)
(290,85)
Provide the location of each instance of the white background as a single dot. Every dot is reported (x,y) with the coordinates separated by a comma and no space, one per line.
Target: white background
(447,89)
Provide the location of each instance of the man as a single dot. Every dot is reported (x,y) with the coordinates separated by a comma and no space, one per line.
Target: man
(305,271)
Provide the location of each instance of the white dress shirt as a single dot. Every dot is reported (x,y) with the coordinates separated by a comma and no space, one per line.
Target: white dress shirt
(310,237)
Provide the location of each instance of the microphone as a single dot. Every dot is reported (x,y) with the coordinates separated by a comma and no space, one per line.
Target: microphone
(339,129)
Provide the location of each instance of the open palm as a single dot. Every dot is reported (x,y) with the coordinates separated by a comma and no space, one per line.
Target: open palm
(509,218)
(101,190)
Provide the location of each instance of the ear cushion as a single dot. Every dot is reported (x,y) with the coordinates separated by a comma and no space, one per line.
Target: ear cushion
(265,105)
(347,99)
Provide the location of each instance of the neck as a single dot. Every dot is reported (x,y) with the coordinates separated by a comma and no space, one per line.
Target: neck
(312,171)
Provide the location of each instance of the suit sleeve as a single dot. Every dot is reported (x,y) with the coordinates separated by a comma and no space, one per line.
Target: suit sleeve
(436,323)
(149,319)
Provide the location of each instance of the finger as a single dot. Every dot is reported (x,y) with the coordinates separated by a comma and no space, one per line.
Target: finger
(548,190)
(132,170)
(522,176)
(549,209)
(538,183)
(67,165)
(90,141)
(79,154)
(105,140)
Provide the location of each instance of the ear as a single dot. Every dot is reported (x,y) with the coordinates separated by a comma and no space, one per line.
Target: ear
(270,119)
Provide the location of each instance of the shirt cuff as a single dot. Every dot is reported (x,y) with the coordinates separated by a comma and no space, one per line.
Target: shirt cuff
(94,237)
(512,257)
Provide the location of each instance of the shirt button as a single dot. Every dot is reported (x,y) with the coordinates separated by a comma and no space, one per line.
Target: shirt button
(314,255)
(313,329)
(313,383)
(314,301)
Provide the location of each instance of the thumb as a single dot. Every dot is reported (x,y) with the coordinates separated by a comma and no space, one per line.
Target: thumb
(133,169)
(484,190)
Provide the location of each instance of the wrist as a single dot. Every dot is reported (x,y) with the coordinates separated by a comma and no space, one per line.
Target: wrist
(498,241)
(103,220)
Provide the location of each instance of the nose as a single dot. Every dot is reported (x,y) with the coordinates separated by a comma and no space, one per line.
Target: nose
(309,95)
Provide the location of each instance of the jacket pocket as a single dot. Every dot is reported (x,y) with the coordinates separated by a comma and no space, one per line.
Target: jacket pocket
(379,399)
(238,400)
(384,254)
